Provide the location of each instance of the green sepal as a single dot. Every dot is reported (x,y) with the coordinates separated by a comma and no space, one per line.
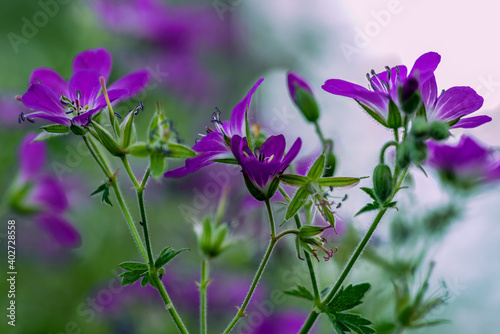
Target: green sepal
(293,179)
(179,151)
(55,128)
(316,170)
(139,149)
(127,130)
(42,136)
(394,118)
(330,165)
(157,164)
(339,182)
(374,114)
(107,140)
(300,292)
(307,104)
(77,129)
(298,200)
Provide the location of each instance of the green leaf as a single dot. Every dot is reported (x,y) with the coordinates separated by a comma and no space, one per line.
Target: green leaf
(293,180)
(179,151)
(369,192)
(300,292)
(299,199)
(145,280)
(131,266)
(373,114)
(347,322)
(55,128)
(130,277)
(157,164)
(104,188)
(368,207)
(166,255)
(338,182)
(317,168)
(348,298)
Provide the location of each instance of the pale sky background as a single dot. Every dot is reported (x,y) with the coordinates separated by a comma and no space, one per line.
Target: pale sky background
(398,32)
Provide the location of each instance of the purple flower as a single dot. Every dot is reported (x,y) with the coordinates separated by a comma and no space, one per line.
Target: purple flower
(214,144)
(43,195)
(262,166)
(62,102)
(450,106)
(295,81)
(466,164)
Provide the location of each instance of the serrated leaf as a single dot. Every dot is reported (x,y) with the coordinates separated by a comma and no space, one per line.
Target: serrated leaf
(300,292)
(293,179)
(131,266)
(298,200)
(317,168)
(55,128)
(104,188)
(145,280)
(130,277)
(368,207)
(348,298)
(167,255)
(338,182)
(369,192)
(347,322)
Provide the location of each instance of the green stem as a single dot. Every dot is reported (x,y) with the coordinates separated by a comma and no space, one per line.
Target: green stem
(384,148)
(94,151)
(312,274)
(271,218)
(359,249)
(130,173)
(204,282)
(241,310)
(168,304)
(320,133)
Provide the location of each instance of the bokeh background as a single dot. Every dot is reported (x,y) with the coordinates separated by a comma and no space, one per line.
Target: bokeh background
(209,54)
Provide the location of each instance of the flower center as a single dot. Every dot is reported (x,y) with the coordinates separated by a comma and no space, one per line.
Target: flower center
(376,84)
(74,107)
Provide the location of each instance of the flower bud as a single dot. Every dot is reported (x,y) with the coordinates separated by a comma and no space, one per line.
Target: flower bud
(382,183)
(127,130)
(309,239)
(302,95)
(420,128)
(213,238)
(409,96)
(439,130)
(403,155)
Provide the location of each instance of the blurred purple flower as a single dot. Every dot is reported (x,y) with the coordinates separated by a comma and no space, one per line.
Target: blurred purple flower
(43,195)
(183,39)
(450,106)
(47,89)
(282,322)
(263,165)
(294,80)
(468,163)
(214,145)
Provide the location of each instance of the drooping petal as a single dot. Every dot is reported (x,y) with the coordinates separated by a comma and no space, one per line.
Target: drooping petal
(425,66)
(291,154)
(472,122)
(50,78)
(61,230)
(49,194)
(88,84)
(32,156)
(96,60)
(41,98)
(133,82)
(375,100)
(456,102)
(238,114)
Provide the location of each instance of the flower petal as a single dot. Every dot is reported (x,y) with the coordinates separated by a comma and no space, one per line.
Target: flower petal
(113,95)
(64,120)
(87,82)
(32,157)
(133,82)
(61,230)
(291,154)
(425,66)
(42,98)
(456,102)
(429,93)
(472,122)
(376,101)
(238,114)
(462,157)
(274,146)
(50,195)
(96,59)
(294,80)
(212,142)
(50,78)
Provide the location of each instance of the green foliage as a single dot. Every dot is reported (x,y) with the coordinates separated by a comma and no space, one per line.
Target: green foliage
(104,188)
(300,292)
